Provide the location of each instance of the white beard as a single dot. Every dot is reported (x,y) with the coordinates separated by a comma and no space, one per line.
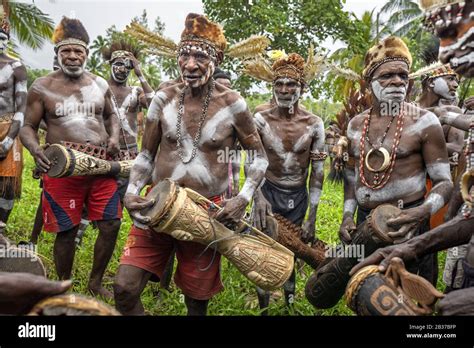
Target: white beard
(72,72)
(204,79)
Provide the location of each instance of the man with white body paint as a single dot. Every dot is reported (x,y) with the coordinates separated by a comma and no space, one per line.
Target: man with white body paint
(293,139)
(188,124)
(457,42)
(394,146)
(12,108)
(77,107)
(123,57)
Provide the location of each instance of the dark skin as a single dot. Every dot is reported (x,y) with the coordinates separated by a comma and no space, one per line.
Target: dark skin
(76,106)
(119,87)
(19,292)
(159,158)
(422,149)
(12,100)
(278,130)
(430,99)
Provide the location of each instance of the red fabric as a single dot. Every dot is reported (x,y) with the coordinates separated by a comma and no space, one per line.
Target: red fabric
(150,251)
(64,198)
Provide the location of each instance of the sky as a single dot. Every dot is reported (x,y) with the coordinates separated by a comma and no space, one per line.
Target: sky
(99,15)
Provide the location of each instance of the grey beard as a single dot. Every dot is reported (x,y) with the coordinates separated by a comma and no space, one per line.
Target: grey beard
(288,104)
(72,73)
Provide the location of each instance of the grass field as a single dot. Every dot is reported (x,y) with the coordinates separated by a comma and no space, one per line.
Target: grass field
(238,297)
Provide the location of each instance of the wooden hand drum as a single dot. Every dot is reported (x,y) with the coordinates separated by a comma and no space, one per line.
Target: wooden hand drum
(325,287)
(68,162)
(184,214)
(72,305)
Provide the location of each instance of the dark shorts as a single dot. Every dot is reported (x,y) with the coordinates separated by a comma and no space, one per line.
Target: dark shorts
(197,273)
(427,266)
(64,199)
(291,204)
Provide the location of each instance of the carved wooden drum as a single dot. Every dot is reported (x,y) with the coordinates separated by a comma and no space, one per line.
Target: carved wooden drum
(72,305)
(184,214)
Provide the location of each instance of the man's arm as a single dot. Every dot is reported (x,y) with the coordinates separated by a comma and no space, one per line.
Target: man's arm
(248,137)
(146,93)
(435,157)
(316,179)
(453,116)
(111,123)
(455,142)
(142,169)
(19,74)
(29,132)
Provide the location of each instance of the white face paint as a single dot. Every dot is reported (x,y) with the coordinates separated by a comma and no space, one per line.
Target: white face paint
(3,42)
(72,71)
(286,100)
(388,94)
(441,88)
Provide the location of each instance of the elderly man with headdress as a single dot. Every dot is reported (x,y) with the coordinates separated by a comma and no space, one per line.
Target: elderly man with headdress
(78,110)
(394,146)
(122,56)
(187,126)
(293,139)
(453,22)
(12,108)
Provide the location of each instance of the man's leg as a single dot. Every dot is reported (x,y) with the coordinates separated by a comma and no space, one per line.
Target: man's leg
(64,251)
(6,199)
(263,300)
(128,286)
(103,249)
(196,307)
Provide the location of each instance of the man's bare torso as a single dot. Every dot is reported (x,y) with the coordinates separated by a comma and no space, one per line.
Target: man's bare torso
(206,173)
(7,85)
(73,109)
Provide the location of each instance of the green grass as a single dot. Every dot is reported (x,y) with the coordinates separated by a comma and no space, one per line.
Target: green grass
(239,295)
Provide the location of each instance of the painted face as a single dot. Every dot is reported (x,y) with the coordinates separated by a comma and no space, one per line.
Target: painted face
(119,70)
(390,82)
(72,59)
(287,91)
(196,67)
(3,42)
(456,36)
(445,86)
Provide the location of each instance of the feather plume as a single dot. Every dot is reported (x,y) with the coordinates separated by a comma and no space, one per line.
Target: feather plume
(152,40)
(251,47)
(315,65)
(425,70)
(258,68)
(346,73)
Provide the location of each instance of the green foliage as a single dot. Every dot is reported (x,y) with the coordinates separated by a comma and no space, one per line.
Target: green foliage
(291,25)
(150,65)
(33,74)
(29,24)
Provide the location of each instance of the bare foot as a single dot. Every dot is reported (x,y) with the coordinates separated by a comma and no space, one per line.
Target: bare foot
(101,292)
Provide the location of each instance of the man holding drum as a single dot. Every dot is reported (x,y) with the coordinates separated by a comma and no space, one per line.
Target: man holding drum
(456,47)
(77,107)
(188,124)
(392,147)
(293,139)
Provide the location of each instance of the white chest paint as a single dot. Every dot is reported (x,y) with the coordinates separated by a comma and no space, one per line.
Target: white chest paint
(6,74)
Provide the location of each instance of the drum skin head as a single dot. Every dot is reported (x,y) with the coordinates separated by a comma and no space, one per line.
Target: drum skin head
(164,195)
(72,305)
(379,217)
(59,159)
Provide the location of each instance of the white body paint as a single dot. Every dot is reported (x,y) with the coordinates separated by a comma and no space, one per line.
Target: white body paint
(435,201)
(384,94)
(130,101)
(417,128)
(350,206)
(441,88)
(156,105)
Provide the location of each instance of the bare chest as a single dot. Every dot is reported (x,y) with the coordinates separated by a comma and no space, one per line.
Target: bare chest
(287,137)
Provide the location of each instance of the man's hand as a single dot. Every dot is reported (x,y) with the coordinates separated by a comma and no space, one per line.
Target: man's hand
(383,256)
(442,112)
(135,204)
(407,223)
(459,302)
(309,232)
(19,292)
(136,65)
(347,228)
(232,212)
(113,147)
(469,103)
(262,209)
(42,162)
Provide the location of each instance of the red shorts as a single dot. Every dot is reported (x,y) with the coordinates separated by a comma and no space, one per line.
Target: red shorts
(64,200)
(150,251)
